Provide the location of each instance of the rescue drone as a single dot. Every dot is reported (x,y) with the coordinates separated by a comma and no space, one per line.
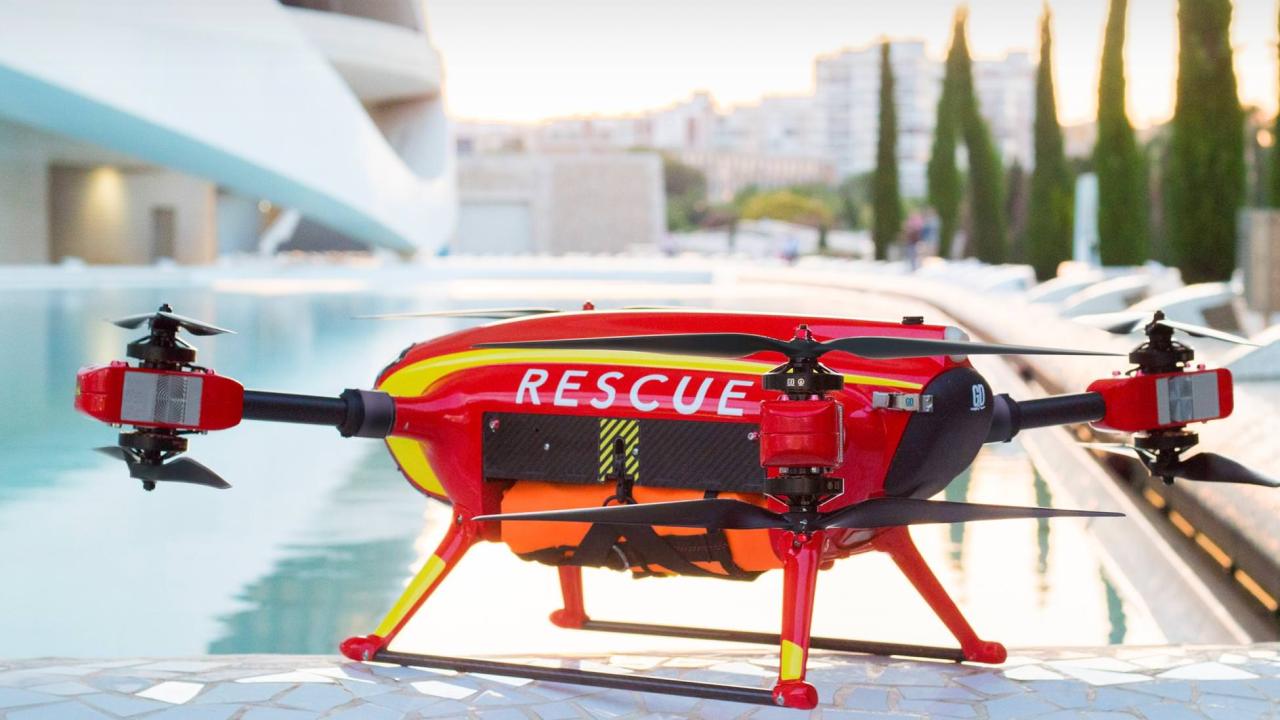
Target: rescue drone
(674,442)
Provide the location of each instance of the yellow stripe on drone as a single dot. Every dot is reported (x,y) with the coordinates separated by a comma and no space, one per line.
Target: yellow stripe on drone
(421,583)
(791,666)
(413,380)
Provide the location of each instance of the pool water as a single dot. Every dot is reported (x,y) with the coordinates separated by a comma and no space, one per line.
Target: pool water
(319,534)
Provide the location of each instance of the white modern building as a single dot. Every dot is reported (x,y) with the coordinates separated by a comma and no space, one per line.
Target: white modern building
(131,132)
(1006,90)
(847,89)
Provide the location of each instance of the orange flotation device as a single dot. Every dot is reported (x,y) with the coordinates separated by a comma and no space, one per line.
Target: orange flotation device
(733,554)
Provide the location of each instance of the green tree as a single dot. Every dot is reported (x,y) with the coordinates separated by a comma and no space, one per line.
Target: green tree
(887,203)
(1049,221)
(1273,185)
(988,240)
(788,206)
(958,115)
(686,190)
(1206,145)
(943,175)
(1117,159)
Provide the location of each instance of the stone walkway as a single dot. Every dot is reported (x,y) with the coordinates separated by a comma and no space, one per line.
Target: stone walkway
(1112,683)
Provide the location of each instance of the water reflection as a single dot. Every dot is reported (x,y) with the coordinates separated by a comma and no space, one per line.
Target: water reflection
(335,585)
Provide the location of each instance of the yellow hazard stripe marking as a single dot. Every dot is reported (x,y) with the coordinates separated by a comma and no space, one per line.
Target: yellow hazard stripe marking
(413,380)
(611,431)
(420,584)
(791,666)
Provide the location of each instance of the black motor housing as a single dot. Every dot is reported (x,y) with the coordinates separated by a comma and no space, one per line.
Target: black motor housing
(938,445)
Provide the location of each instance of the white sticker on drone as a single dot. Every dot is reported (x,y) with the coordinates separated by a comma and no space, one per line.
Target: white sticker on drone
(156,398)
(1187,398)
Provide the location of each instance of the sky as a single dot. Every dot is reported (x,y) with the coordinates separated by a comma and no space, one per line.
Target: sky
(525,60)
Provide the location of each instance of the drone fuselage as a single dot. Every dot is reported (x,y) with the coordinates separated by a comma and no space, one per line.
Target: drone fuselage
(475,426)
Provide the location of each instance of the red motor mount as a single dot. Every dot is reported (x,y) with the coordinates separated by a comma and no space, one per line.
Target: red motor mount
(801,433)
(188,400)
(1164,401)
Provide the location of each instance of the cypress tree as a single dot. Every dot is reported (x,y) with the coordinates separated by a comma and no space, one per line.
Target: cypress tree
(1206,146)
(886,200)
(944,176)
(1048,238)
(986,238)
(1273,185)
(1117,160)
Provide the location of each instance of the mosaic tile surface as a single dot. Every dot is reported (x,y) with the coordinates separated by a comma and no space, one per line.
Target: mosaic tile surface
(1113,683)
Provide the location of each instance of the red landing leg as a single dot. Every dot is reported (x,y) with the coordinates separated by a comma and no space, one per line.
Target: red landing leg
(572,615)
(462,534)
(897,542)
(799,580)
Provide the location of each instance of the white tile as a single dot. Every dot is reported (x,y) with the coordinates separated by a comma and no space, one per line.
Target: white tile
(436,688)
(1103,677)
(1031,672)
(1208,671)
(183,665)
(297,676)
(686,662)
(338,673)
(173,692)
(742,668)
(1108,664)
(1262,653)
(636,662)
(1232,659)
(503,679)
(1162,662)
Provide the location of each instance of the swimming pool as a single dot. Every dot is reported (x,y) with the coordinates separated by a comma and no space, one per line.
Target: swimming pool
(318,535)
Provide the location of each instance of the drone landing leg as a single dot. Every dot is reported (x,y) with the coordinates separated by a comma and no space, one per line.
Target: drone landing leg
(898,544)
(460,536)
(573,615)
(799,581)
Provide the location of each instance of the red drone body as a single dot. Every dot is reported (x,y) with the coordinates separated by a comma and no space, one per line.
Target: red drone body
(671,443)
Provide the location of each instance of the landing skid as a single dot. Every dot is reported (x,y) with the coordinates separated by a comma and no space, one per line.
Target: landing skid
(668,686)
(869,647)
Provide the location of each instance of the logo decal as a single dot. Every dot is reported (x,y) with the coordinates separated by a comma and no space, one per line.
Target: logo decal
(979,392)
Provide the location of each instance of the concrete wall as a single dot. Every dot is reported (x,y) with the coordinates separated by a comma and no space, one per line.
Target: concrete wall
(557,204)
(23,212)
(105,214)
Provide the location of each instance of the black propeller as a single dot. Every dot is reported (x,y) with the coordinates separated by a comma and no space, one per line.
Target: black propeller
(724,514)
(165,318)
(1125,322)
(151,471)
(479,313)
(742,344)
(1202,467)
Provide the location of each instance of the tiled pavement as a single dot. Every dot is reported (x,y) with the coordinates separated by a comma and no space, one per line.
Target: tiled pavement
(1237,683)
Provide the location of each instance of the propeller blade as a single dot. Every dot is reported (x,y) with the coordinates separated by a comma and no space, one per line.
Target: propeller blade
(1128,451)
(1211,467)
(479,313)
(191,325)
(133,321)
(713,514)
(1199,331)
(728,345)
(116,452)
(895,511)
(1125,322)
(1116,323)
(183,469)
(888,348)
